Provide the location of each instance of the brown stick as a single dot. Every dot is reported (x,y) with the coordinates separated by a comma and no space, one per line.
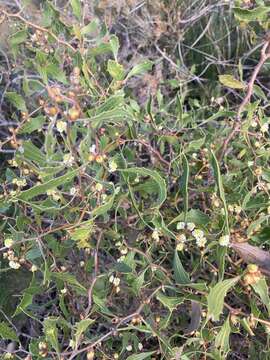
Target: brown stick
(265,55)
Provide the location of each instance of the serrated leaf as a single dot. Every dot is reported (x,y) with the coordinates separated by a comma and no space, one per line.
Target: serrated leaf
(180,275)
(257,14)
(32,124)
(138,282)
(215,298)
(261,288)
(33,153)
(140,69)
(222,340)
(81,327)
(18,38)
(140,356)
(169,301)
(43,188)
(16,100)
(114,42)
(51,333)
(7,332)
(116,70)
(69,279)
(231,82)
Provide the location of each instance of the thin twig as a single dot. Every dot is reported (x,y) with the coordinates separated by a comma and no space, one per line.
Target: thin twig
(265,55)
(40,28)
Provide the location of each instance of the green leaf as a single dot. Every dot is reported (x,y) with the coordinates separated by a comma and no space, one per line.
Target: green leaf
(180,275)
(257,14)
(81,327)
(18,38)
(184,184)
(231,82)
(69,279)
(140,356)
(51,333)
(32,124)
(222,340)
(168,301)
(113,116)
(155,176)
(51,184)
(116,70)
(76,7)
(195,144)
(261,288)
(7,332)
(16,100)
(140,69)
(215,298)
(138,282)
(82,234)
(32,153)
(114,42)
(90,28)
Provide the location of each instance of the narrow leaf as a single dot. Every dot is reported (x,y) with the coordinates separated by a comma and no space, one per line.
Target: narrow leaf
(215,298)
(180,275)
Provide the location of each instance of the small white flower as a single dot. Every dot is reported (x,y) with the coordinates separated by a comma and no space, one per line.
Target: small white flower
(190,226)
(155,235)
(116,281)
(201,241)
(99,187)
(224,240)
(68,159)
(129,348)
(61,126)
(180,226)
(34,268)
(111,279)
(93,149)
(14,264)
(140,346)
(264,127)
(198,234)
(72,344)
(9,242)
(181,238)
(124,251)
(180,247)
(112,166)
(237,209)
(72,191)
(121,259)
(63,291)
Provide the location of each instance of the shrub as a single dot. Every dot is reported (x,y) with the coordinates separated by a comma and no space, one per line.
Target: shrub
(132,180)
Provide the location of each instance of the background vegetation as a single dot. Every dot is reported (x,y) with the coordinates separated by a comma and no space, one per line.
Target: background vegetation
(135,179)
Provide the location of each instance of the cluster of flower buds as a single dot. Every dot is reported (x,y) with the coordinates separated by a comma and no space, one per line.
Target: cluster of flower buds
(41,40)
(43,349)
(253,275)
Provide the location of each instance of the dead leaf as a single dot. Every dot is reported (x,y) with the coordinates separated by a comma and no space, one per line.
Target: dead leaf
(254,255)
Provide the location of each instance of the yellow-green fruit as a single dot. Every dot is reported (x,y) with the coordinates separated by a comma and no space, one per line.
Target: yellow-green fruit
(74,114)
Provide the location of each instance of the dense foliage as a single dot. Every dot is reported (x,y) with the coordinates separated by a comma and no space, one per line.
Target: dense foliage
(134,170)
